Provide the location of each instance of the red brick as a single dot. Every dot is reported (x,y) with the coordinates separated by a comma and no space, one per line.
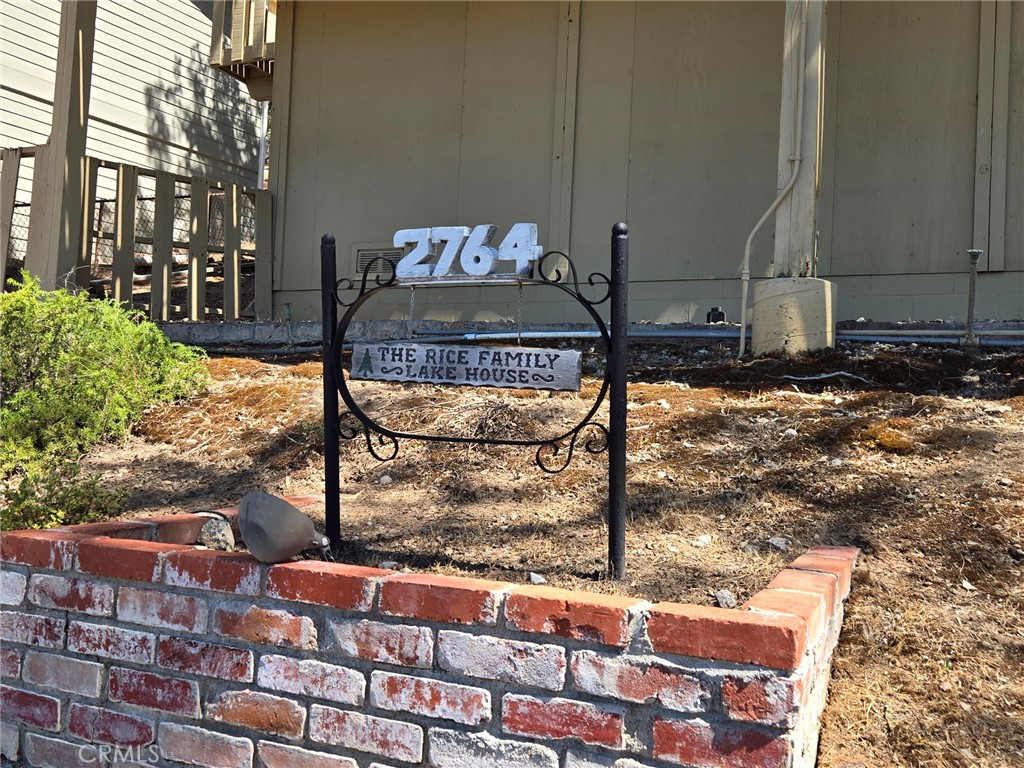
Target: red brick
(236,572)
(493,658)
(198,746)
(177,529)
(78,595)
(850,554)
(63,673)
(123,559)
(365,733)
(820,559)
(718,747)
(24,628)
(12,587)
(144,689)
(764,699)
(97,724)
(640,683)
(111,642)
(45,752)
(807,607)
(115,529)
(594,618)
(261,625)
(280,756)
(10,662)
(308,677)
(442,598)
(258,711)
(30,708)
(161,609)
(824,584)
(345,587)
(205,659)
(430,698)
(746,637)
(376,641)
(40,549)
(561,719)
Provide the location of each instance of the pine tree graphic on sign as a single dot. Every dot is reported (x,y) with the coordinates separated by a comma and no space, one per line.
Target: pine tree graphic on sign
(366,366)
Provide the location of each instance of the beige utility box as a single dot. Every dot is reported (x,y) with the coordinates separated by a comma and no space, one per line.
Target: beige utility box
(793,315)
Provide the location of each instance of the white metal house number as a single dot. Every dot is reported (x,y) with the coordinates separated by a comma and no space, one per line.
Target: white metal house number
(472,248)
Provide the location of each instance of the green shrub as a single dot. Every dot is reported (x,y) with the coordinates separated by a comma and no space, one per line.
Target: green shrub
(58,497)
(75,371)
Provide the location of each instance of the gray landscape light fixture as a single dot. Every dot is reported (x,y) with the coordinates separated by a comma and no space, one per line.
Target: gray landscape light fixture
(274,530)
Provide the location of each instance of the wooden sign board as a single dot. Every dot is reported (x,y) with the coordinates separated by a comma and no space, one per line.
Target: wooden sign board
(514,367)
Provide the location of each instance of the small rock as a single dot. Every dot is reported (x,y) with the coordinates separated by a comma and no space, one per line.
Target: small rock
(217,534)
(1005,482)
(703,541)
(536,578)
(725,598)
(389,565)
(672,548)
(836,463)
(748,548)
(386,480)
(790,433)
(780,543)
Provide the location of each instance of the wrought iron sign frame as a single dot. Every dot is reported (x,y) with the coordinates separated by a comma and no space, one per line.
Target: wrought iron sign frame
(383,442)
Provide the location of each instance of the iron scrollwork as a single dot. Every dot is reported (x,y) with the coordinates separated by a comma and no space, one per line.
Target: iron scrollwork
(553,454)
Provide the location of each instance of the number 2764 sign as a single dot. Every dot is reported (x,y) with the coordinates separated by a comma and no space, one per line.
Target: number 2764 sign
(470,247)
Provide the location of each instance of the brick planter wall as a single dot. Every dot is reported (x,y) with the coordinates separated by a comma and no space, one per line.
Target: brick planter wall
(120,641)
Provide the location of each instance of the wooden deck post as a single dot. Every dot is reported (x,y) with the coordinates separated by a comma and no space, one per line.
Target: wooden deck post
(163,248)
(8,195)
(198,248)
(124,234)
(59,185)
(232,251)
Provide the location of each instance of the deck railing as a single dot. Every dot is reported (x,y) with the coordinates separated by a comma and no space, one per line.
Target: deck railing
(244,33)
(179,247)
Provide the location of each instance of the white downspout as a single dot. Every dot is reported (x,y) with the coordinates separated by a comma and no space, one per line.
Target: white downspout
(796,158)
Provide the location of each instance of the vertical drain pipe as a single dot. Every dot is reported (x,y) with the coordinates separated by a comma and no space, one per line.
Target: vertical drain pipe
(796,158)
(970,340)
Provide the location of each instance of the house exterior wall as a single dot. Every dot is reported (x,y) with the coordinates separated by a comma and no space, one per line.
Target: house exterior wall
(662,114)
(155,101)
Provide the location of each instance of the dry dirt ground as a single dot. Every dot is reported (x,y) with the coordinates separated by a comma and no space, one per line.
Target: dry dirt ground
(913,454)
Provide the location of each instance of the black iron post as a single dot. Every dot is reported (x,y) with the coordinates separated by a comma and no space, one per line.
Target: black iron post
(617,359)
(332,470)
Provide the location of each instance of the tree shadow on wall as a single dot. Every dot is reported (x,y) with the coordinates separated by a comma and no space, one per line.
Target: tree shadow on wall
(199,112)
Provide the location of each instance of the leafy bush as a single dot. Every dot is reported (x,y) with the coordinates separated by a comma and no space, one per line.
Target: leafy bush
(75,371)
(58,497)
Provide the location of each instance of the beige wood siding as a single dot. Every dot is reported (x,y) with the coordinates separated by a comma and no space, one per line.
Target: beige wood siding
(411,115)
(903,139)
(443,113)
(1015,156)
(155,102)
(677,120)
